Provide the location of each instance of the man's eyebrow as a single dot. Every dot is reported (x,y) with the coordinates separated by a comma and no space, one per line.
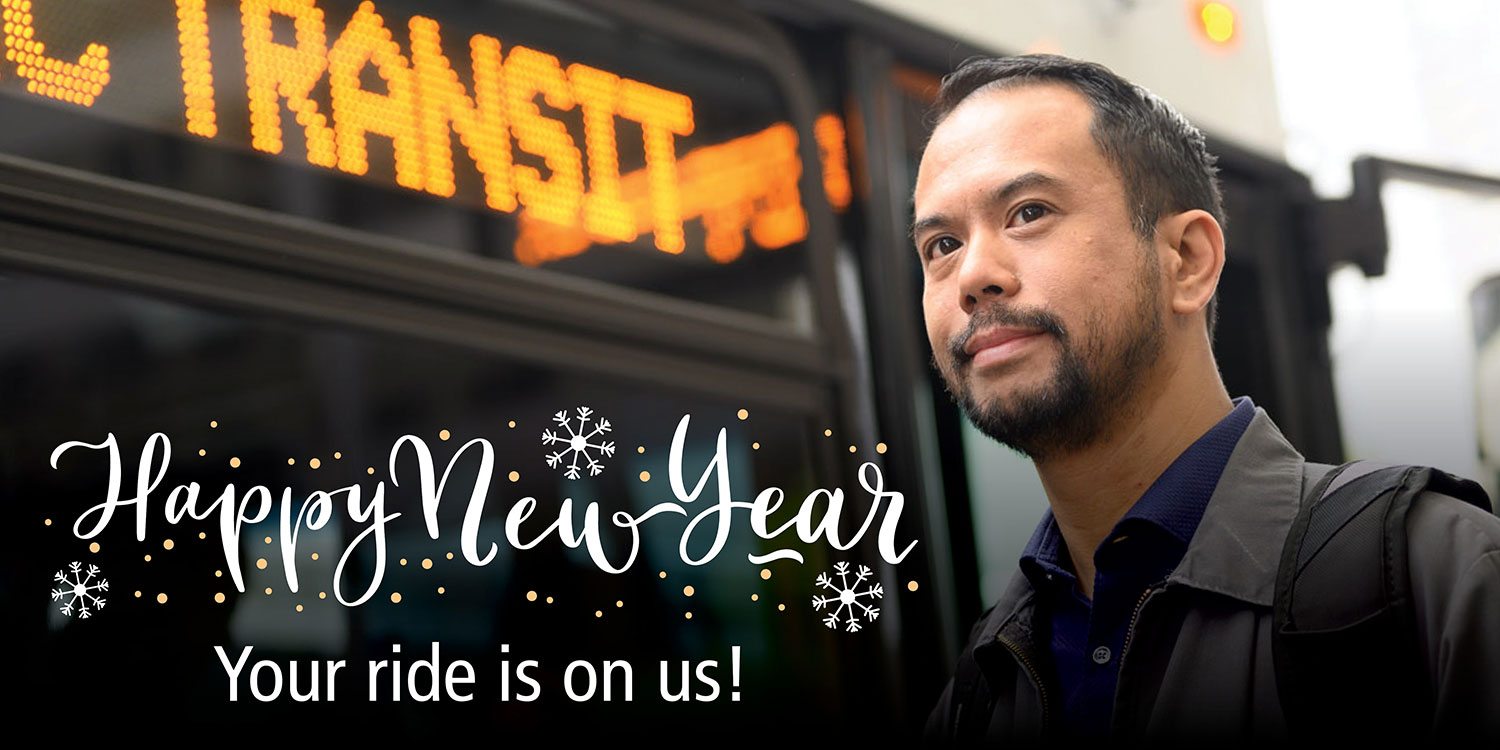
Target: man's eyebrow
(1001,194)
(1028,181)
(924,223)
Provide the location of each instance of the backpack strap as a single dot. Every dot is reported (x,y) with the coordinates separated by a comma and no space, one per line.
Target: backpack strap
(1344,629)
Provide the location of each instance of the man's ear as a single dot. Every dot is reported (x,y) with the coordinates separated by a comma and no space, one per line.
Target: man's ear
(1195,258)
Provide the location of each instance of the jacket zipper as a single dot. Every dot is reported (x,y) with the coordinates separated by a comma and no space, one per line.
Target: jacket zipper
(1130,630)
(1036,679)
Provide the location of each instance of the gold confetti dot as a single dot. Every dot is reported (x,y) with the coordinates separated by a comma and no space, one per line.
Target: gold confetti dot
(441,589)
(765,574)
(755,446)
(880,448)
(531,596)
(315,463)
(337,455)
(148,558)
(662,574)
(322,594)
(403,561)
(687,590)
(167,544)
(299,607)
(687,615)
(219,597)
(911,586)
(261,563)
(426,563)
(450,555)
(828,433)
(743,414)
(291,462)
(218,574)
(619,603)
(443,435)
(202,452)
(47,522)
(395,597)
(645,476)
(549,600)
(851,449)
(370,470)
(268,591)
(234,463)
(93,546)
(515,476)
(512,423)
(781,607)
(213,424)
(598,613)
(161,598)
(755,597)
(640,449)
(202,535)
(137,594)
(268,540)
(314,555)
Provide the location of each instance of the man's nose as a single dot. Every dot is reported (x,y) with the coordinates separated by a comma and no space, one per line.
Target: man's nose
(986,271)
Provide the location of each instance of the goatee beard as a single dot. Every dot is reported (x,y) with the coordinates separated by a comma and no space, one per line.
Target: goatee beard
(1077,406)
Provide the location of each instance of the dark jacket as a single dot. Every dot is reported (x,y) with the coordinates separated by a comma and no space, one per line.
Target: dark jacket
(1197,663)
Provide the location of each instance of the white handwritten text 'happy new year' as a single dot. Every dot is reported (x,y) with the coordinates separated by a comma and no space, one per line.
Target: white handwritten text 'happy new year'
(316,509)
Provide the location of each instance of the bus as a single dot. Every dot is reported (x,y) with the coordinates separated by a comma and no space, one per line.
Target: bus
(286,233)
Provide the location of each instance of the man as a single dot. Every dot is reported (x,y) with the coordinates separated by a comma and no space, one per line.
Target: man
(1069,229)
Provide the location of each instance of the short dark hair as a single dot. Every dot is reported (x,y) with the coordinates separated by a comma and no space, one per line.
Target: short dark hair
(1160,157)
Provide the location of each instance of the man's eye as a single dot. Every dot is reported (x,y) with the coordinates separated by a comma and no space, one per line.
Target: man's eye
(1031,212)
(941,246)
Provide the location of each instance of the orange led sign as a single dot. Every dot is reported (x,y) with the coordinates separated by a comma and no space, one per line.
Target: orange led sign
(747,183)
(76,83)
(570,192)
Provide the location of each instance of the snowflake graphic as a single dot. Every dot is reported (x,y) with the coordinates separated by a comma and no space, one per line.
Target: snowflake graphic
(577,443)
(848,597)
(79,588)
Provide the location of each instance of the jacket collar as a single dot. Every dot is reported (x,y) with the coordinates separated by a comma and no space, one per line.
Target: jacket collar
(1237,546)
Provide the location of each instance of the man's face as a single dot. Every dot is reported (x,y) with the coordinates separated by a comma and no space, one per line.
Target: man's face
(1042,304)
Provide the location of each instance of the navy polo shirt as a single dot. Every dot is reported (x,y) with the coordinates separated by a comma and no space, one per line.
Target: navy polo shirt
(1087,637)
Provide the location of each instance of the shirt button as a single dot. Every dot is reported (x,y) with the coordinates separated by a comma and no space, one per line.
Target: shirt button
(1101,655)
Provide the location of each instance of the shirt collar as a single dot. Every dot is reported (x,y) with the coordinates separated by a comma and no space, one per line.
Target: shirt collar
(1174,503)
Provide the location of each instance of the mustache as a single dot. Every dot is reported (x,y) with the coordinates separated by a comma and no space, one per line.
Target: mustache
(1002,315)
